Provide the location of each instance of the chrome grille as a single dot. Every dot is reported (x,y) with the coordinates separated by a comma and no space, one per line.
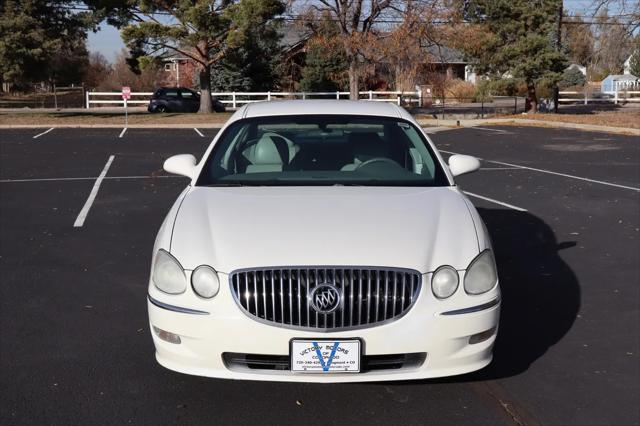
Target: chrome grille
(369,296)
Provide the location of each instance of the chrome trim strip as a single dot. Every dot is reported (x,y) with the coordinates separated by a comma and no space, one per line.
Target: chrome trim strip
(173,308)
(476,308)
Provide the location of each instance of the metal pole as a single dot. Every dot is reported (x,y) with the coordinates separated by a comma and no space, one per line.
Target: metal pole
(515,104)
(87,96)
(177,62)
(233,97)
(126,116)
(55,97)
(482,108)
(337,95)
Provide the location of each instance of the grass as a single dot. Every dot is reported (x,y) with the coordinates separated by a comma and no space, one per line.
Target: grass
(110,118)
(625,119)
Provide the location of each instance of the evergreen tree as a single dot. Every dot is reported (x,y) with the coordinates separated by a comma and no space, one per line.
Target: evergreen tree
(41,40)
(205,31)
(520,42)
(322,71)
(250,67)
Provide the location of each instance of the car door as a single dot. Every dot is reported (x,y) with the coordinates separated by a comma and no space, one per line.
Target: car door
(190,99)
(174,102)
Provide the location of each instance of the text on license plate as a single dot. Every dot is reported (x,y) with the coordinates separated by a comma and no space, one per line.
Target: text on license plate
(325,356)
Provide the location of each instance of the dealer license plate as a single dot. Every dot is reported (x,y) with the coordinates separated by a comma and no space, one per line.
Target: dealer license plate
(325,356)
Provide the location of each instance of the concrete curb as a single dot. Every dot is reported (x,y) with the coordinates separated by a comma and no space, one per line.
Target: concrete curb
(113,126)
(528,122)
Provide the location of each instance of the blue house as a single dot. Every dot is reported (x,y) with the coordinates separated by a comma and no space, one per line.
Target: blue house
(621,82)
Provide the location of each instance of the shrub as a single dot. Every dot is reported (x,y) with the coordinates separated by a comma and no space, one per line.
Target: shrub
(461,91)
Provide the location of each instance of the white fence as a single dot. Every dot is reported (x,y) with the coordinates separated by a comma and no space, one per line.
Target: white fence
(586,97)
(236,99)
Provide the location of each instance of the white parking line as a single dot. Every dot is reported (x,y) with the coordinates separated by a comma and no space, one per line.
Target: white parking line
(43,133)
(492,130)
(85,178)
(92,196)
(198,132)
(567,176)
(491,200)
(500,168)
(122,132)
(517,166)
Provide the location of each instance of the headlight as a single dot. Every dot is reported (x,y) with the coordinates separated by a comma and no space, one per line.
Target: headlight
(481,275)
(444,282)
(168,275)
(205,282)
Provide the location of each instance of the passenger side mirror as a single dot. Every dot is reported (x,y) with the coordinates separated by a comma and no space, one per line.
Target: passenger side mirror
(461,164)
(182,164)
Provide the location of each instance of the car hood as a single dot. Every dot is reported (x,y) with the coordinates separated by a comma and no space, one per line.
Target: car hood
(245,227)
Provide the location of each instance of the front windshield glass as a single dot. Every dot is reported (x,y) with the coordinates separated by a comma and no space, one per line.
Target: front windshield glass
(312,150)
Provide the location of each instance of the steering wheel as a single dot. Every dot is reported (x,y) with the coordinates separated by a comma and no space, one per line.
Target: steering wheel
(376,160)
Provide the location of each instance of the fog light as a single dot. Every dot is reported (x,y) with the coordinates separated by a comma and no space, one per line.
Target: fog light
(481,337)
(166,336)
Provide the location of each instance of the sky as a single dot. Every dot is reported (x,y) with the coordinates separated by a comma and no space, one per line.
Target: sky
(108,42)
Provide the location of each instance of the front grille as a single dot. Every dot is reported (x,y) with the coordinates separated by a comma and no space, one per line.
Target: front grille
(236,361)
(368,296)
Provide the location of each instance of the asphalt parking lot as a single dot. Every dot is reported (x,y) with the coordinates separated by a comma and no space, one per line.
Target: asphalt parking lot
(562,207)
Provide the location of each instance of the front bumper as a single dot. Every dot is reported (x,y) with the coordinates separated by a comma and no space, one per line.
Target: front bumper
(218,326)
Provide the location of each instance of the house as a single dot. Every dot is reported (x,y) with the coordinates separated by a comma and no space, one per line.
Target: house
(616,82)
(578,67)
(450,63)
(177,71)
(627,65)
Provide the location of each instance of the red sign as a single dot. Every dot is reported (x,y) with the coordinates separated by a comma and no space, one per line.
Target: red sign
(126,92)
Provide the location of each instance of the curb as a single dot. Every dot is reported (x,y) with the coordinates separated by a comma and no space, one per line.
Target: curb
(113,126)
(453,124)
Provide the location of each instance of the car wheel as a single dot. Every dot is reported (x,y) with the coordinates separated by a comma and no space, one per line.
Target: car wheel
(161,108)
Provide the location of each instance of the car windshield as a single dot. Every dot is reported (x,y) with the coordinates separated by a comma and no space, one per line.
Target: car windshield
(310,150)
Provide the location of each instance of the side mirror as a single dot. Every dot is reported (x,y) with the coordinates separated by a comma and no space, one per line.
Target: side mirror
(461,164)
(182,164)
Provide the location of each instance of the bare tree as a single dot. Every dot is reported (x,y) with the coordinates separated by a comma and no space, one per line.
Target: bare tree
(356,20)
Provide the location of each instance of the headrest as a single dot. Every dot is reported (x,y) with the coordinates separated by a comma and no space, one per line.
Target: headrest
(368,145)
(269,150)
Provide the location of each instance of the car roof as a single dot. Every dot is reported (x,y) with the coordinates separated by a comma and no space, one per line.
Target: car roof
(321,107)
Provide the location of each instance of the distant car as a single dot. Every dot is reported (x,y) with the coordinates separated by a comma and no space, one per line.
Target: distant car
(323,241)
(174,99)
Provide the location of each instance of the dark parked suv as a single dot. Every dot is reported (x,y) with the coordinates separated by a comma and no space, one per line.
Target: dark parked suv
(178,99)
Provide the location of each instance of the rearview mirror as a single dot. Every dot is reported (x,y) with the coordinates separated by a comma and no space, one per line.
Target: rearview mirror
(182,164)
(461,164)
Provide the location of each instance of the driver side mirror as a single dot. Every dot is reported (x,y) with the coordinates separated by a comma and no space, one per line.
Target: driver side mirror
(461,164)
(182,164)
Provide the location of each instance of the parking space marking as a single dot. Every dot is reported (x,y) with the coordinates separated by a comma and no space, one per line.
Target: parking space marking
(85,178)
(616,185)
(500,168)
(198,132)
(92,196)
(122,132)
(491,200)
(43,133)
(493,130)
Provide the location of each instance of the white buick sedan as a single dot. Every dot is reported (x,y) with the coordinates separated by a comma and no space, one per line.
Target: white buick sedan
(323,241)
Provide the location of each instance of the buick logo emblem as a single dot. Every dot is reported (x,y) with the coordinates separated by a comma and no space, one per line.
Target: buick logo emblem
(325,298)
